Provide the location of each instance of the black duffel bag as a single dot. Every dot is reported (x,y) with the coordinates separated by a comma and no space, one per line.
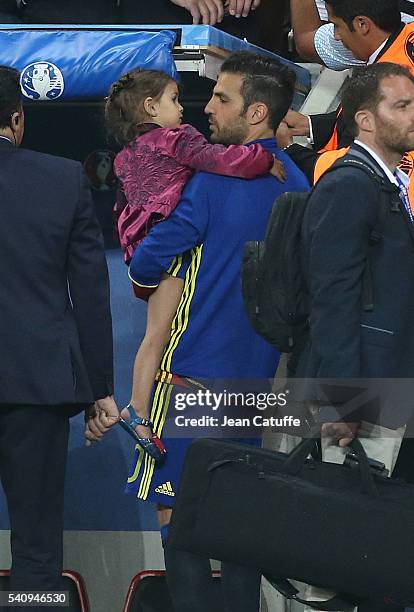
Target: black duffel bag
(295,517)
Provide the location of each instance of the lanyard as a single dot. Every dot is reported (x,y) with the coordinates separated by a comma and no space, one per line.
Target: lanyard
(404,197)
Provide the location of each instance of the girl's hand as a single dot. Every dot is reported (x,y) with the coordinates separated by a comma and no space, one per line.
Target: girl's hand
(278,171)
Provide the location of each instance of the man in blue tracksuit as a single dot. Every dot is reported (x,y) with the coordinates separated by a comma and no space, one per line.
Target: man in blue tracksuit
(211,337)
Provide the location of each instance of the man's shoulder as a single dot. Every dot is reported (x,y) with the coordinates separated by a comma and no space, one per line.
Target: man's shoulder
(348,171)
(345,188)
(46,160)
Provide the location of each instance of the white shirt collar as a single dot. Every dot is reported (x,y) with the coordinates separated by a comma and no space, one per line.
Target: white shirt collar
(5,138)
(405,180)
(376,53)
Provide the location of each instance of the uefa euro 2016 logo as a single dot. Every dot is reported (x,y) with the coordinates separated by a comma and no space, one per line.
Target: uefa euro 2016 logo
(42,81)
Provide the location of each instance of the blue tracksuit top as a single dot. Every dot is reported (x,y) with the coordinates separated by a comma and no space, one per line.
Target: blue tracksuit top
(211,335)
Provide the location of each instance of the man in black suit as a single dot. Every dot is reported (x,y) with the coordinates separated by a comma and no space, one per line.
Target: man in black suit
(55,338)
(349,339)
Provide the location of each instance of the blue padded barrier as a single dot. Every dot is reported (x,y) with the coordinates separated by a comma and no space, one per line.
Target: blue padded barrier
(78,64)
(115,50)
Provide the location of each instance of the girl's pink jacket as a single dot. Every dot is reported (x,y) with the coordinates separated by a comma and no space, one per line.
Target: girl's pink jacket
(154,168)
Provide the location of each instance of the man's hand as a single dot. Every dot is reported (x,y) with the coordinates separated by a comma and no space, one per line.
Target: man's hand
(241,8)
(298,123)
(284,136)
(342,432)
(208,12)
(101,416)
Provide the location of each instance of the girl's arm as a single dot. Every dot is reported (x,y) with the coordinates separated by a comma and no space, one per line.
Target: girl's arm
(187,146)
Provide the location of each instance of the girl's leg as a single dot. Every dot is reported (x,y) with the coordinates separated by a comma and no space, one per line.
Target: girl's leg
(188,576)
(162,306)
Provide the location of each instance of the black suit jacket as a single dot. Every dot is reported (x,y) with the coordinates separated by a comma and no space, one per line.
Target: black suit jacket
(55,322)
(346,342)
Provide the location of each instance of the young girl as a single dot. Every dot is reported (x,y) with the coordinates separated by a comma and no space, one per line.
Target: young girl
(160,155)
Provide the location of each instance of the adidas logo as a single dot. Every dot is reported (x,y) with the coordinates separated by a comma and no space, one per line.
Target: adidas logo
(165,489)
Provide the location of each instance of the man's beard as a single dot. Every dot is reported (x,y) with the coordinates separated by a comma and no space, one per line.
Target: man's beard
(234,134)
(399,142)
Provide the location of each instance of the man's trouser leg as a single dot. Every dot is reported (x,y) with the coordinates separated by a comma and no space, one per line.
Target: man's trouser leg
(33,453)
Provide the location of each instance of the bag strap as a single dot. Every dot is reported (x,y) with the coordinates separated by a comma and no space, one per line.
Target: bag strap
(338,602)
(361,162)
(297,457)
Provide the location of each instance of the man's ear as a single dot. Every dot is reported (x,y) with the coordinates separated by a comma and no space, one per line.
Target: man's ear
(257,113)
(363,25)
(15,120)
(365,121)
(150,107)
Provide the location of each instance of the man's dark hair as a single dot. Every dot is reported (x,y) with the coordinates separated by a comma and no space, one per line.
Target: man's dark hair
(10,94)
(363,90)
(384,13)
(264,80)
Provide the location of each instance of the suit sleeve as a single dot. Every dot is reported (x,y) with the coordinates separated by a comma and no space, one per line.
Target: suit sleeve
(89,291)
(187,146)
(322,127)
(184,229)
(341,214)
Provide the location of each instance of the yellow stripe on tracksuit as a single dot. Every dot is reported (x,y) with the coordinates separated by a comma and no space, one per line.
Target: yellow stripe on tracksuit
(175,266)
(180,322)
(158,416)
(163,390)
(142,455)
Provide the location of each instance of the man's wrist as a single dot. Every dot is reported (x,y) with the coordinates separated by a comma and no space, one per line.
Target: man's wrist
(310,137)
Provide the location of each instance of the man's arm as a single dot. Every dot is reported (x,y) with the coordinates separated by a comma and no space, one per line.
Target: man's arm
(342,212)
(184,229)
(305,22)
(89,292)
(318,128)
(315,41)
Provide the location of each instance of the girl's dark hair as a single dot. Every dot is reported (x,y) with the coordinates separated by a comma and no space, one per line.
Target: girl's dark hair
(10,94)
(124,110)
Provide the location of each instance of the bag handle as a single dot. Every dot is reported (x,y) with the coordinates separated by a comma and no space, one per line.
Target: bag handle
(338,602)
(297,457)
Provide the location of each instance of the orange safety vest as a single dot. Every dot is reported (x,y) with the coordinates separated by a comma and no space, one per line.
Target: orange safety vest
(327,159)
(400,51)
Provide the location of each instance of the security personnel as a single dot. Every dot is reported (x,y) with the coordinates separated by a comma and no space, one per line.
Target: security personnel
(377,35)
